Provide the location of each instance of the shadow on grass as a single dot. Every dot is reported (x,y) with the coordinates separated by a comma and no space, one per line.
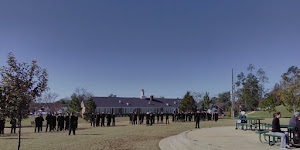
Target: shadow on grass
(89,134)
(16,138)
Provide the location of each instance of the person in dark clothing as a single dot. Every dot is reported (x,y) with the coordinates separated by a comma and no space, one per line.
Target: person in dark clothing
(49,122)
(158,114)
(36,120)
(67,120)
(151,118)
(209,116)
(53,122)
(148,119)
(114,119)
(173,117)
(73,124)
(193,116)
(197,118)
(216,116)
(130,118)
(39,123)
(162,117)
(143,115)
(92,120)
(2,125)
(108,117)
(76,119)
(277,131)
(60,122)
(167,118)
(134,118)
(183,117)
(140,118)
(103,119)
(97,120)
(13,123)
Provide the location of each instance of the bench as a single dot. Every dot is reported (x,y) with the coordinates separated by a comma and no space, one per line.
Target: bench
(268,126)
(260,133)
(246,124)
(273,141)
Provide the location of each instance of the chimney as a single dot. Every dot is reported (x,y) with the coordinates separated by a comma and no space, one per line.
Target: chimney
(151,98)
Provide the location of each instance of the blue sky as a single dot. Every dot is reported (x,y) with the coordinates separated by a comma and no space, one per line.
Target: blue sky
(165,47)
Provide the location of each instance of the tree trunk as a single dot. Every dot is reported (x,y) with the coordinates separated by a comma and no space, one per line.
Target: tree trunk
(19,138)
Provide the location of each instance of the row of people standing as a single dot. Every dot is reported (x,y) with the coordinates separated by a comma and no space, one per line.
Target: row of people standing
(95,119)
(57,122)
(190,116)
(13,123)
(135,118)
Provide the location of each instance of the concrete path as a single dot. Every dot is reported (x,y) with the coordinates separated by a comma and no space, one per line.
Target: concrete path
(250,113)
(218,138)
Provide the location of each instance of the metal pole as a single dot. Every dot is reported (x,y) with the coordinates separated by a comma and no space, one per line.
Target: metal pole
(232,92)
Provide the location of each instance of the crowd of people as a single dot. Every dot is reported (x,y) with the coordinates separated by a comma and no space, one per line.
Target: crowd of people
(60,122)
(98,119)
(13,123)
(56,122)
(135,118)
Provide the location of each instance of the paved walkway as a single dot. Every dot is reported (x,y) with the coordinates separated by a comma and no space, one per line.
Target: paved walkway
(218,138)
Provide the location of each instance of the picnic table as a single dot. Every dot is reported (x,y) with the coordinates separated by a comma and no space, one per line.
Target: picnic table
(256,120)
(290,129)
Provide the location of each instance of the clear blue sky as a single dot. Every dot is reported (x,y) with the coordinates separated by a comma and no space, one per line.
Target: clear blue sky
(165,47)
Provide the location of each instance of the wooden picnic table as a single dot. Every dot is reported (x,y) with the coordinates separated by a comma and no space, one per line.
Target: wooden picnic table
(255,119)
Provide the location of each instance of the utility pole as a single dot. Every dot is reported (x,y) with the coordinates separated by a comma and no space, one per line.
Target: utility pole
(232,96)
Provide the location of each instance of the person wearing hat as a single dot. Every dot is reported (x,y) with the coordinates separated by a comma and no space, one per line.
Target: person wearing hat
(240,119)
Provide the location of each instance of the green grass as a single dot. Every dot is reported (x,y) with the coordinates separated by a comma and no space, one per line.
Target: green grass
(123,136)
(266,114)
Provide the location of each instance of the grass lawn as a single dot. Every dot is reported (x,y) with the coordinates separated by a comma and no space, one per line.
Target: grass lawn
(123,136)
(266,114)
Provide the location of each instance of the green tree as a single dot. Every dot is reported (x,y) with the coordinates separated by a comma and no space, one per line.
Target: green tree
(20,84)
(271,101)
(290,89)
(90,108)
(250,91)
(224,99)
(112,95)
(74,106)
(187,103)
(206,101)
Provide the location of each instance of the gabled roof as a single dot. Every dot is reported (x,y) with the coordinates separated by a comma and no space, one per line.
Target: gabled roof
(135,102)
